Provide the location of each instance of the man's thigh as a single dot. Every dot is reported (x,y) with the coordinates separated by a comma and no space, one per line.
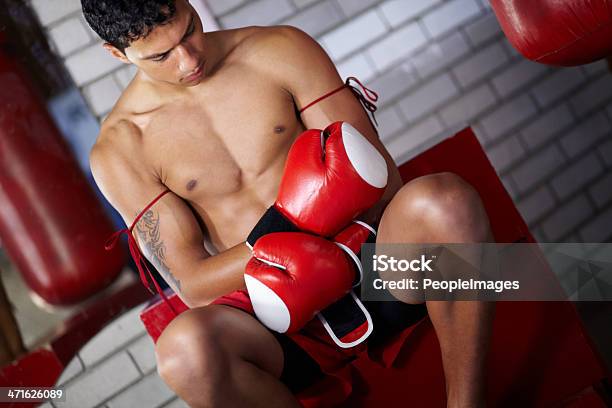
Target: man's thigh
(245,336)
(213,329)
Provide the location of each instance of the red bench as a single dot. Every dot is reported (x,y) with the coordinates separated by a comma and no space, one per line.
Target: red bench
(540,355)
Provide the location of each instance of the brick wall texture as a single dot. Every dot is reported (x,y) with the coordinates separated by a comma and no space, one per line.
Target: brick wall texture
(436,64)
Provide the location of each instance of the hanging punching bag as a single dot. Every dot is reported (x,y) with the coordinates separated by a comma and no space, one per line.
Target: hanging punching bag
(557,32)
(51,224)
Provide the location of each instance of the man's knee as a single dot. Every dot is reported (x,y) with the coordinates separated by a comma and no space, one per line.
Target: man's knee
(442,201)
(190,349)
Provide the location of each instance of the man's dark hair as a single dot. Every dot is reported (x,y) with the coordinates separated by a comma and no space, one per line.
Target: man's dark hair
(119,22)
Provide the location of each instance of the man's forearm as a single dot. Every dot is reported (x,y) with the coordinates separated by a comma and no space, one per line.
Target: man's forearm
(216,275)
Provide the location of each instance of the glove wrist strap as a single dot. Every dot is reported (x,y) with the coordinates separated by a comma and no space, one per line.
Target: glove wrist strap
(271,221)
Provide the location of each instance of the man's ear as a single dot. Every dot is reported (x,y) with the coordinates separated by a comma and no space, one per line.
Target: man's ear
(115,52)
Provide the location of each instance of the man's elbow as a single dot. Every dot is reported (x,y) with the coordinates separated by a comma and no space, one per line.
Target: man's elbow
(189,298)
(193,289)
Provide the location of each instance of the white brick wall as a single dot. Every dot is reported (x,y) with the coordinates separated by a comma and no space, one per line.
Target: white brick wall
(401,146)
(396,12)
(598,229)
(316,19)
(124,329)
(263,12)
(480,65)
(585,135)
(441,54)
(595,68)
(535,205)
(50,11)
(103,94)
(90,64)
(508,116)
(354,34)
(483,29)
(558,85)
(393,83)
(577,175)
(547,125)
(74,368)
(428,97)
(177,403)
(219,7)
(450,15)
(352,7)
(506,153)
(150,392)
(601,191)
(397,46)
(605,151)
(359,66)
(390,121)
(517,76)
(566,218)
(143,353)
(593,95)
(537,168)
(69,35)
(95,386)
(469,105)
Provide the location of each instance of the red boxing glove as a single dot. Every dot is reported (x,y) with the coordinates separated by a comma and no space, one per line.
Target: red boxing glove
(350,240)
(330,177)
(293,276)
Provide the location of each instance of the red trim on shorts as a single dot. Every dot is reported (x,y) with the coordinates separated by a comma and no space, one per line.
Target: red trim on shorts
(239,299)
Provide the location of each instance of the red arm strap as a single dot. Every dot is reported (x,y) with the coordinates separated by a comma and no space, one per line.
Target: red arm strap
(366,96)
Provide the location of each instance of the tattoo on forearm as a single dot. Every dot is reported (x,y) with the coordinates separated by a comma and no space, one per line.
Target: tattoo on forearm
(154,248)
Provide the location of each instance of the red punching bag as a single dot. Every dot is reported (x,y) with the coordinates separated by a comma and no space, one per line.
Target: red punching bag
(557,32)
(51,223)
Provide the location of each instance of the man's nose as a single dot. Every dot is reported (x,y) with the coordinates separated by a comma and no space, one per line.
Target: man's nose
(188,60)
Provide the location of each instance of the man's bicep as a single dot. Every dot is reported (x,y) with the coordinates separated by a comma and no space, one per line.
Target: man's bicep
(307,72)
(171,239)
(313,75)
(167,233)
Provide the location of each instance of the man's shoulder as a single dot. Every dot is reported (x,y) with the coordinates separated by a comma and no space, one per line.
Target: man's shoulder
(117,136)
(118,128)
(279,52)
(275,42)
(267,46)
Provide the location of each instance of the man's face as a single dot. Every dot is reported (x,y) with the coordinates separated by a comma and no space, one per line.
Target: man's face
(174,52)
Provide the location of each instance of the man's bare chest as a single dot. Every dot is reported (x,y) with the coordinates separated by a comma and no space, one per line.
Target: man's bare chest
(207,147)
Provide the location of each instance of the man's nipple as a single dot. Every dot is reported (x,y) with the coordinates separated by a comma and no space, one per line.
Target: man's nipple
(279,129)
(191,185)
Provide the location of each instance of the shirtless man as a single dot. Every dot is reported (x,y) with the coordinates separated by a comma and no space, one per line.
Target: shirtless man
(210,117)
